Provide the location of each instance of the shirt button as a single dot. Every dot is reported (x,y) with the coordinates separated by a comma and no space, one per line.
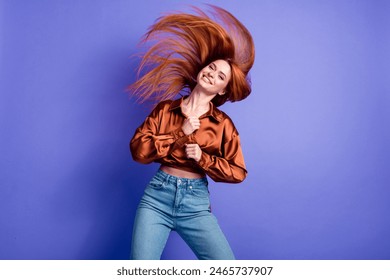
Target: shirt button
(179,181)
(190,187)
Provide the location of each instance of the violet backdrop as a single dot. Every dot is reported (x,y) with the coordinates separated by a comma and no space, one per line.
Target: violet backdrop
(315,130)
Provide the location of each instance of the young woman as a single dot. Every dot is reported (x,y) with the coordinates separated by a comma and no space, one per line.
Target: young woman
(190,137)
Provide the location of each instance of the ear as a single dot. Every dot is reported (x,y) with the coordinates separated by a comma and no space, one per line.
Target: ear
(222,92)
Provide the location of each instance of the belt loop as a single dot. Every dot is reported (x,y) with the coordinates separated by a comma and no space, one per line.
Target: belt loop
(166,179)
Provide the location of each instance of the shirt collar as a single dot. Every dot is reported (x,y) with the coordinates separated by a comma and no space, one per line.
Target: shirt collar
(214,112)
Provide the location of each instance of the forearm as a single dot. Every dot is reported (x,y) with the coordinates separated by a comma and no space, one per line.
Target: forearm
(222,170)
(146,147)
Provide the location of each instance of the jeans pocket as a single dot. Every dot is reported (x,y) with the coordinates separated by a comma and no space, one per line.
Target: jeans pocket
(156,183)
(200,192)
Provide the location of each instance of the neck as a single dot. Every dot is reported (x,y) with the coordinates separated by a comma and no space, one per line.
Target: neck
(197,103)
(198,99)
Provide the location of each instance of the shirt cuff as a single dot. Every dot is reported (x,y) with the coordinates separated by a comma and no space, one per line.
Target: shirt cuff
(180,137)
(178,133)
(205,161)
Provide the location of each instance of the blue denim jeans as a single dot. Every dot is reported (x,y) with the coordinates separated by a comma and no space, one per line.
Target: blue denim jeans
(180,204)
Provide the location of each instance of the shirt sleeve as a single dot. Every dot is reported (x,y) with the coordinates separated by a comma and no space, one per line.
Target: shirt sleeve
(230,167)
(148,145)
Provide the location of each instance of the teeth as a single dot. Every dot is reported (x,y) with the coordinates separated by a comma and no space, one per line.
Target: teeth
(207,79)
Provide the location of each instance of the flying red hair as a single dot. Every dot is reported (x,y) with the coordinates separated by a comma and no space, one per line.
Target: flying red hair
(183,44)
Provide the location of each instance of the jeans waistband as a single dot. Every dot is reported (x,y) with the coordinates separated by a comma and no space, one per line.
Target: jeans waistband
(198,182)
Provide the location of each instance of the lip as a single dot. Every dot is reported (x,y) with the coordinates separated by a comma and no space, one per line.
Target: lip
(207,79)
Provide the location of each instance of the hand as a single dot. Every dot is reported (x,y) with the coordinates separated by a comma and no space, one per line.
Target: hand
(190,125)
(193,151)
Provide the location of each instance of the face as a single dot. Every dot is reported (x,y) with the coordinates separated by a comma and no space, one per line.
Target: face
(215,77)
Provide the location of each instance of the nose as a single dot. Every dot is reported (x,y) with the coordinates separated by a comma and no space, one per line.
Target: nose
(210,74)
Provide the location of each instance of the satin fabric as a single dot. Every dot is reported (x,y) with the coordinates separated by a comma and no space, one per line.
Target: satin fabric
(160,139)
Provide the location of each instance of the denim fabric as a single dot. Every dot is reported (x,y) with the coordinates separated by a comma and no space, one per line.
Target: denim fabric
(180,204)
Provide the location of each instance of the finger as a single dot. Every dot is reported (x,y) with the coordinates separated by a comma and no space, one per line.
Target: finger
(190,155)
(197,125)
(191,145)
(191,149)
(193,118)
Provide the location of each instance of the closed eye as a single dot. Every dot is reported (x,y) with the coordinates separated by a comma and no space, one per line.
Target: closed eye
(212,66)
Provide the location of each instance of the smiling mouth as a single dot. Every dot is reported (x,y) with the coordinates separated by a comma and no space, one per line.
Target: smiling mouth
(207,79)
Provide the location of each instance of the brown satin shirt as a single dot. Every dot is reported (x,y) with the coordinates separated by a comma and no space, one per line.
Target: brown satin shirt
(161,139)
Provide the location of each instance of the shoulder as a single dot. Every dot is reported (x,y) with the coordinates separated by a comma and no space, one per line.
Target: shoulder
(163,105)
(229,128)
(223,118)
(161,108)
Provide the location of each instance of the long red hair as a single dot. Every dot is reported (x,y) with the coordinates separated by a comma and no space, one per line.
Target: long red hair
(182,44)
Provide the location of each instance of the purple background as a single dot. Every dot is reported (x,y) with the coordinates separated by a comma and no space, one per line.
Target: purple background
(315,131)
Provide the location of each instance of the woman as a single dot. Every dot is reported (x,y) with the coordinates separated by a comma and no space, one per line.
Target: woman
(190,137)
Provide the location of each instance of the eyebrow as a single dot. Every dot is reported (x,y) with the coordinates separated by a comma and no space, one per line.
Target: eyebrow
(215,66)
